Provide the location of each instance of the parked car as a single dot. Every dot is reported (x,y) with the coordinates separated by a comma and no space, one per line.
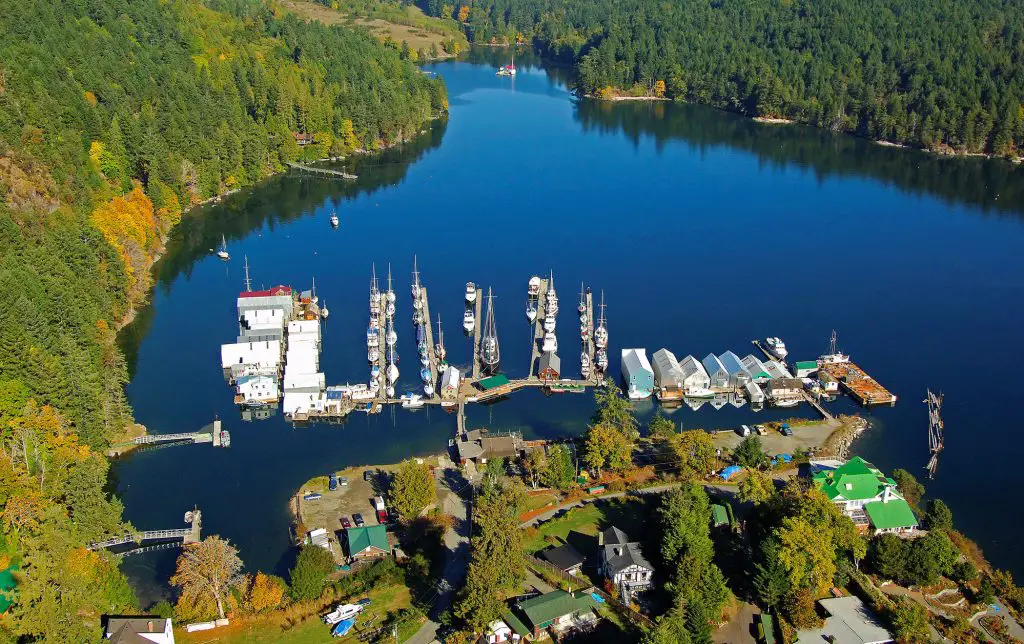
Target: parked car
(786,431)
(332,483)
(343,481)
(358,518)
(367,475)
(365,601)
(345,523)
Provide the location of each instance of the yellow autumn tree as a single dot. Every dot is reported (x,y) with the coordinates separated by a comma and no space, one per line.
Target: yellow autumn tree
(265,593)
(659,88)
(129,224)
(463,13)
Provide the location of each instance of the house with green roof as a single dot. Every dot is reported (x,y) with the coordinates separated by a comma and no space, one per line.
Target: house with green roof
(367,542)
(557,610)
(867,496)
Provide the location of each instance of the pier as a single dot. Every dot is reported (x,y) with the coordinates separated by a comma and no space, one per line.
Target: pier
(322,171)
(190,534)
(382,358)
(856,382)
(538,327)
(431,356)
(212,434)
(477,305)
(768,354)
(813,402)
(588,345)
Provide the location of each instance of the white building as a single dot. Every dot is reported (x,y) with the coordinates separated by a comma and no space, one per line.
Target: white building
(754,393)
(694,375)
(304,382)
(144,628)
(622,562)
(302,357)
(450,382)
(668,377)
(256,390)
(257,354)
(718,375)
(302,403)
(637,374)
(756,369)
(304,329)
(737,374)
(776,370)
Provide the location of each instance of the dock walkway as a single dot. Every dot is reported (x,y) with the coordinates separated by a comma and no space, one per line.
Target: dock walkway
(813,402)
(323,171)
(538,327)
(382,358)
(476,334)
(190,534)
(588,344)
(431,356)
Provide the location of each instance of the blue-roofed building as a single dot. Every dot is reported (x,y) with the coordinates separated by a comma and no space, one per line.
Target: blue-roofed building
(738,376)
(718,375)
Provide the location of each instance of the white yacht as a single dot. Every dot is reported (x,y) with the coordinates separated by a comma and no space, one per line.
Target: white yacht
(697,392)
(533,287)
(551,298)
(468,321)
(550,344)
(334,220)
(531,312)
(776,347)
(585,364)
(373,355)
(428,389)
(412,401)
(549,323)
(601,359)
(372,337)
(470,292)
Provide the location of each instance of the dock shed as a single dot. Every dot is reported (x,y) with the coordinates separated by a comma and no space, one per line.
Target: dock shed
(637,373)
(250,353)
(668,377)
(550,366)
(718,375)
(805,368)
(777,370)
(738,376)
(694,374)
(450,382)
(782,390)
(253,390)
(756,369)
(754,393)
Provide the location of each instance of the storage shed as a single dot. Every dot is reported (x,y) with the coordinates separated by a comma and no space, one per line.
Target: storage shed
(718,375)
(637,373)
(450,382)
(550,366)
(694,374)
(756,369)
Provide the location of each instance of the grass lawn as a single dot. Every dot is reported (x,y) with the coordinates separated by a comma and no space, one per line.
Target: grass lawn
(269,629)
(540,500)
(582,522)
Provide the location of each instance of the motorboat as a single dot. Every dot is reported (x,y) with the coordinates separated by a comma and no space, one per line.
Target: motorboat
(776,347)
(372,336)
(585,364)
(373,355)
(334,220)
(698,392)
(412,401)
(533,287)
(550,344)
(549,323)
(426,375)
(469,321)
(222,252)
(601,359)
(470,292)
(323,311)
(531,312)
(390,391)
(428,389)
(342,612)
(392,337)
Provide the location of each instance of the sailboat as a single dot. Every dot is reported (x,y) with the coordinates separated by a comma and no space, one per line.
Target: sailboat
(583,304)
(585,364)
(415,285)
(222,252)
(508,70)
(491,353)
(334,219)
(439,349)
(391,337)
(390,296)
(601,332)
(374,294)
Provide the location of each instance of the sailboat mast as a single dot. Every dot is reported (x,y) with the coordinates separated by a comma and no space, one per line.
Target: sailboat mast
(248,282)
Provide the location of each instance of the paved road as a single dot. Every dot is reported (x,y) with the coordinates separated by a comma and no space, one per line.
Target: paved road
(456,539)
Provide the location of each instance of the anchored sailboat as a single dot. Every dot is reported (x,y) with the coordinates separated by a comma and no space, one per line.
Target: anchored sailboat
(222,252)
(491,354)
(416,303)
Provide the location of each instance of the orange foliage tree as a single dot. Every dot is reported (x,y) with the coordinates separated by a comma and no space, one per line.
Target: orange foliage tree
(463,13)
(265,593)
(129,224)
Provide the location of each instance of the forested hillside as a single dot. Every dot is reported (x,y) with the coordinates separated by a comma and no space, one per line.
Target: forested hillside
(115,116)
(943,74)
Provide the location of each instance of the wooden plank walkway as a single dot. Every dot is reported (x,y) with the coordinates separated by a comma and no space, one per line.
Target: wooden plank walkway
(476,334)
(323,171)
(190,534)
(813,402)
(588,344)
(382,358)
(431,356)
(538,326)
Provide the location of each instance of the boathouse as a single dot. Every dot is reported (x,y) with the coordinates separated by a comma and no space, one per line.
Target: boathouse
(754,393)
(805,368)
(718,375)
(550,367)
(637,373)
(479,445)
(260,354)
(694,374)
(255,390)
(737,374)
(776,370)
(668,377)
(755,369)
(450,382)
(785,390)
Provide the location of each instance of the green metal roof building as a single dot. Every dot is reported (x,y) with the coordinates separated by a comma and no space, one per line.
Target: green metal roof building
(367,541)
(551,609)
(867,496)
(804,368)
(719,515)
(493,381)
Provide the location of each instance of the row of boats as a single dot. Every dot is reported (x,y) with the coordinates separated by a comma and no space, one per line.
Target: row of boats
(549,343)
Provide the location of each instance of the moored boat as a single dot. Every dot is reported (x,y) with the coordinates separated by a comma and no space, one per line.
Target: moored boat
(470,292)
(697,392)
(439,351)
(776,347)
(551,298)
(334,220)
(533,286)
(222,252)
(549,323)
(531,311)
(468,321)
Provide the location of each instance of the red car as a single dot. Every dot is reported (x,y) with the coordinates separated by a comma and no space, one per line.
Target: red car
(345,523)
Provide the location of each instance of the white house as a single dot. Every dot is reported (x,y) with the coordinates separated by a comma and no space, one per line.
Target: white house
(695,377)
(738,376)
(301,402)
(623,563)
(144,628)
(253,390)
(718,375)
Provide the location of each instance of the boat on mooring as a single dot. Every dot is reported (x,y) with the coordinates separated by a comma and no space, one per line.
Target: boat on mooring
(776,347)
(533,287)
(507,70)
(470,292)
(468,321)
(222,252)
(334,220)
(323,311)
(601,332)
(531,312)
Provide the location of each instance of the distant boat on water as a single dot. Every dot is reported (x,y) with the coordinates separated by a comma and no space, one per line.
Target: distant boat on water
(222,252)
(334,220)
(507,70)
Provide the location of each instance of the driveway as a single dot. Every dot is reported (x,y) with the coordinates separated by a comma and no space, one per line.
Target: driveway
(739,629)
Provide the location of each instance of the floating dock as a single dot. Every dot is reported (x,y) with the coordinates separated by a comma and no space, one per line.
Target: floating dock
(477,362)
(856,382)
(431,356)
(588,345)
(538,327)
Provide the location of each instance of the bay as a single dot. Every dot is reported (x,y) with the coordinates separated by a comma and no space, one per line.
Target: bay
(705,231)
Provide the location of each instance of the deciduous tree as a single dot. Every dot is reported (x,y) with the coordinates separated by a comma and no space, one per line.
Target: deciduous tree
(265,592)
(413,489)
(205,573)
(756,487)
(695,453)
(807,555)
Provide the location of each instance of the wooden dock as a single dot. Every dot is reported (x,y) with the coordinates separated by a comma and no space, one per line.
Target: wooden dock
(190,534)
(323,171)
(768,354)
(814,402)
(431,356)
(538,327)
(856,382)
(382,358)
(476,334)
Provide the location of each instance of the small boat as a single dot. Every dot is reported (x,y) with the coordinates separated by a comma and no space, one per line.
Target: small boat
(417,316)
(334,220)
(425,375)
(390,310)
(412,401)
(507,70)
(470,292)
(776,347)
(323,311)
(428,389)
(372,336)
(415,282)
(439,349)
(533,287)
(469,321)
(424,360)
(549,323)
(582,308)
(342,628)
(601,359)
(696,392)
(531,312)
(392,337)
(373,355)
(601,332)
(391,292)
(550,344)
(222,252)
(584,332)
(390,391)
(585,364)
(375,372)
(786,402)
(392,374)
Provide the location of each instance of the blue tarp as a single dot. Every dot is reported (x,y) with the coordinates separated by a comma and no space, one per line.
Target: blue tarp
(730,472)
(342,628)
(599,599)
(785,458)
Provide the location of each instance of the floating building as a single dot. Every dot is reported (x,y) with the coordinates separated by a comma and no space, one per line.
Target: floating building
(718,375)
(637,373)
(737,374)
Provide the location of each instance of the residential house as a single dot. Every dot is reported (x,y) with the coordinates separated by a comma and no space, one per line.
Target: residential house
(849,621)
(867,496)
(557,610)
(479,445)
(303,139)
(623,563)
(550,366)
(785,391)
(637,374)
(565,558)
(718,375)
(719,515)
(668,377)
(737,374)
(141,629)
(367,542)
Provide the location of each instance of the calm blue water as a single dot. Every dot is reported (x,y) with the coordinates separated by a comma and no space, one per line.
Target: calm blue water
(704,230)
